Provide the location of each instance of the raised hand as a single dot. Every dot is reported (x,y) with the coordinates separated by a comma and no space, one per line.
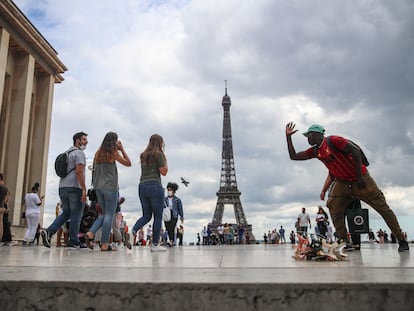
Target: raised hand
(290,129)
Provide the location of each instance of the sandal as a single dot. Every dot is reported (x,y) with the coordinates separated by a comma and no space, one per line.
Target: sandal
(109,249)
(88,241)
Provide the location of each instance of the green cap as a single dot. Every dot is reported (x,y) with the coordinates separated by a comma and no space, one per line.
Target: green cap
(314,128)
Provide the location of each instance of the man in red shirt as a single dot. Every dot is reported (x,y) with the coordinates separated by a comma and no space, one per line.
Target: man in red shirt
(352,180)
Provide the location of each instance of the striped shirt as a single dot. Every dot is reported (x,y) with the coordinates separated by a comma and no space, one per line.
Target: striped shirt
(339,165)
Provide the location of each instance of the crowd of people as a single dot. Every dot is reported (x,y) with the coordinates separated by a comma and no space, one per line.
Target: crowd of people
(324,230)
(224,234)
(100,224)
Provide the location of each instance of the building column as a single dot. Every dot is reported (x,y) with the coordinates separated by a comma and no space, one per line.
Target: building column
(40,133)
(4,50)
(16,151)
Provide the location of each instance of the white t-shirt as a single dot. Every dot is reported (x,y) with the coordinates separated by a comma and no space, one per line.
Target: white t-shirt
(303,219)
(320,217)
(170,203)
(31,200)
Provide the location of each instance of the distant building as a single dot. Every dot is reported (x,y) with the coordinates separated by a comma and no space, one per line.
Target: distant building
(29,68)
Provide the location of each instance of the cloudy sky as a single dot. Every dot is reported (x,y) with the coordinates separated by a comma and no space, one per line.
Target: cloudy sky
(144,67)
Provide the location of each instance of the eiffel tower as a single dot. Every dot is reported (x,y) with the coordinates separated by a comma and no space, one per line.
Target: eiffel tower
(228,193)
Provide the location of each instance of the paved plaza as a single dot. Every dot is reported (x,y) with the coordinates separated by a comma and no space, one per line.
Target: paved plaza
(375,263)
(265,269)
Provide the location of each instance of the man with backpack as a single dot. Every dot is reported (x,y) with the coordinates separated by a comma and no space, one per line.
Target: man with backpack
(345,163)
(72,192)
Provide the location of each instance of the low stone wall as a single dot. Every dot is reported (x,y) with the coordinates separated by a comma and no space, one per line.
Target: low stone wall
(132,296)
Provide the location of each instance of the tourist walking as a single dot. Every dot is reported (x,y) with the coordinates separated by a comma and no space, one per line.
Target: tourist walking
(32,213)
(180,235)
(240,234)
(151,193)
(220,231)
(122,227)
(174,204)
(105,183)
(204,234)
(282,235)
(72,193)
(303,221)
(292,237)
(149,235)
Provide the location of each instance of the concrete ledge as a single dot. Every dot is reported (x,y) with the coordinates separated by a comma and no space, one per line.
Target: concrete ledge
(247,277)
(109,296)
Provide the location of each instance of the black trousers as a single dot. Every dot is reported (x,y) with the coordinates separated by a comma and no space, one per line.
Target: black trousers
(322,228)
(6,229)
(170,227)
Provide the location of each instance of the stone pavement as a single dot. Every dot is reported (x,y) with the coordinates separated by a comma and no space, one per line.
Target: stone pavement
(246,277)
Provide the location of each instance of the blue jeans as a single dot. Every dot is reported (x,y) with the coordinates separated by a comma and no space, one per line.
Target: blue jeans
(72,210)
(151,195)
(108,200)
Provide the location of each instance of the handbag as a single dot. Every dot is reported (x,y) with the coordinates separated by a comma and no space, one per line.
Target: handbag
(166,214)
(92,195)
(91,191)
(357,218)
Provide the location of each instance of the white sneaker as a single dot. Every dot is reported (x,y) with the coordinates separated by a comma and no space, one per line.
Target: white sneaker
(158,248)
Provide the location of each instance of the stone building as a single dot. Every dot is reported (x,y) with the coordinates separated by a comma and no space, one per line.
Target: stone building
(29,69)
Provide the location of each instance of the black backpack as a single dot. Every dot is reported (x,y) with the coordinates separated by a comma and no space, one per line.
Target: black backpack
(364,158)
(61,164)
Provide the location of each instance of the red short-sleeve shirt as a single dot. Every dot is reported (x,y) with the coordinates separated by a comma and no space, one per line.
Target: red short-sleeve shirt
(340,166)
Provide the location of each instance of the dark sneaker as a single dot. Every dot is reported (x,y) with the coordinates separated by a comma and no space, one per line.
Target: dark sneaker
(74,246)
(45,238)
(78,246)
(356,247)
(349,248)
(403,246)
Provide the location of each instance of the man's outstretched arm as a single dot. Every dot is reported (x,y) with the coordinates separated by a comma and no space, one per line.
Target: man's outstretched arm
(290,130)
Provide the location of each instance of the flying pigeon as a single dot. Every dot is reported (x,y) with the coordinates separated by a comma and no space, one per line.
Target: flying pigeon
(185,182)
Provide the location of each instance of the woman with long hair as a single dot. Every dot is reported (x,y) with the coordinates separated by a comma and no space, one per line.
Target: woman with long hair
(105,183)
(151,193)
